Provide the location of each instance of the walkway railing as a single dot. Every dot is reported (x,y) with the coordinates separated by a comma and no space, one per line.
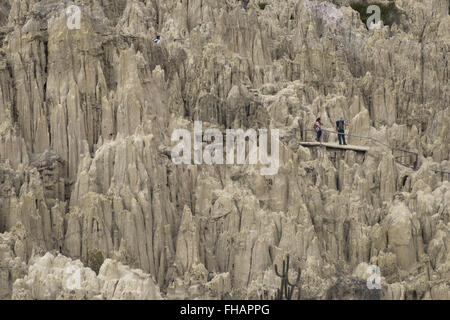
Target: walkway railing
(401,156)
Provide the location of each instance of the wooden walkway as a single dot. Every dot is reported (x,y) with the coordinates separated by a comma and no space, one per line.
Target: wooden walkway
(335,146)
(404,157)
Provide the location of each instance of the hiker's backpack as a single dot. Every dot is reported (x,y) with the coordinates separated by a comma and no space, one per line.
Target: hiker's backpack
(316,126)
(341,125)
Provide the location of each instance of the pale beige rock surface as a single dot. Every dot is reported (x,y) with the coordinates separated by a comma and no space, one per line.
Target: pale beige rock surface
(85,123)
(59,277)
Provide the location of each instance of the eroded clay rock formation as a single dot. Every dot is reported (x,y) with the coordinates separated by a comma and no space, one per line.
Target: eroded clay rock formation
(86,117)
(59,277)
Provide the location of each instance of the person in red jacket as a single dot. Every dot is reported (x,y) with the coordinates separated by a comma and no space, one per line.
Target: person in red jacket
(318,128)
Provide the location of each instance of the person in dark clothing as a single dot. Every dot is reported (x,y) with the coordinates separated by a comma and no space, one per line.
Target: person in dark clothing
(340,128)
(318,128)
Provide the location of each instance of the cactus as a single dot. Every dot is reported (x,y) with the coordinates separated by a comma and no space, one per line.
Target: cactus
(287,288)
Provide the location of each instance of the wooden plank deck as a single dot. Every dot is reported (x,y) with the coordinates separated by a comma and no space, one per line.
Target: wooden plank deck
(335,146)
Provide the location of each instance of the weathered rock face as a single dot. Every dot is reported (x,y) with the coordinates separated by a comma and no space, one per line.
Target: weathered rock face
(86,117)
(59,277)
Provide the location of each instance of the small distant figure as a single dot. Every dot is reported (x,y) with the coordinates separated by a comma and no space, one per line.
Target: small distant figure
(244,4)
(318,127)
(340,128)
(157,40)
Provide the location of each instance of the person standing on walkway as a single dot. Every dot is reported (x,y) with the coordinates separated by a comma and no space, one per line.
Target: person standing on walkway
(340,128)
(318,128)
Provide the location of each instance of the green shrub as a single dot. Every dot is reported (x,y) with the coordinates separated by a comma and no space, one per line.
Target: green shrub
(389,13)
(263,5)
(95,259)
